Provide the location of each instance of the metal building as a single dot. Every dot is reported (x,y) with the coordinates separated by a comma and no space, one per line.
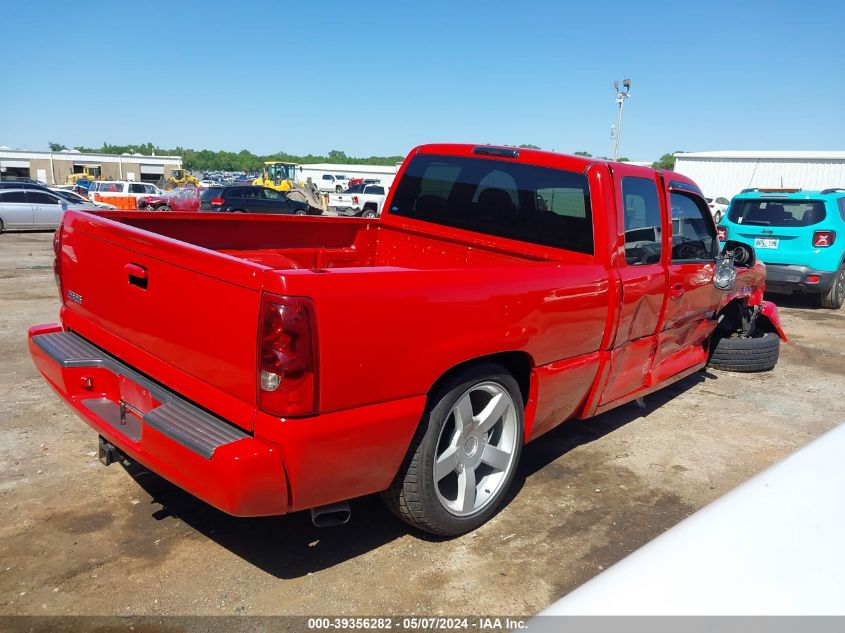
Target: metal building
(728,173)
(384,173)
(53,168)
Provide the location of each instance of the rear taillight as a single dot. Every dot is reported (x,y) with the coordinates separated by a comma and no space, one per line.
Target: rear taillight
(287,357)
(822,239)
(723,233)
(57,260)
(216,202)
(354,199)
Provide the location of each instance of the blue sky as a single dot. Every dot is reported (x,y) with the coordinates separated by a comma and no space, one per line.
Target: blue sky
(380,77)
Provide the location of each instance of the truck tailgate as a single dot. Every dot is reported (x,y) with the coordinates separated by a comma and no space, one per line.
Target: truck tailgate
(180,314)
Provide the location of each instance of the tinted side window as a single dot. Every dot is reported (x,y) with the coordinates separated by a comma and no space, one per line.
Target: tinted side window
(234,192)
(693,237)
(842,208)
(137,187)
(210,193)
(643,228)
(39,197)
(496,197)
(13,196)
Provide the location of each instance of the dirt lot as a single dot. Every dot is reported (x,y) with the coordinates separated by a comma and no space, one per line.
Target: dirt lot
(78,538)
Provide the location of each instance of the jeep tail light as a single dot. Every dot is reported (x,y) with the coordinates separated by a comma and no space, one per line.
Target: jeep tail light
(216,202)
(813,279)
(722,231)
(287,361)
(823,239)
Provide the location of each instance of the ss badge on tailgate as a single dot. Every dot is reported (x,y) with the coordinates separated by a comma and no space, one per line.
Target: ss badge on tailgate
(75,297)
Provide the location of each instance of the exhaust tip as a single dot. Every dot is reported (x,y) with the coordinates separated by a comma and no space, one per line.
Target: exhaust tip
(331,514)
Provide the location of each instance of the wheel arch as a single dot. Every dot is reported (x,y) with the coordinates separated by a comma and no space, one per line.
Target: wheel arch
(518,364)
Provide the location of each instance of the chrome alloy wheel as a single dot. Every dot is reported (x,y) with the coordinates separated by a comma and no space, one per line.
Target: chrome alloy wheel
(475,449)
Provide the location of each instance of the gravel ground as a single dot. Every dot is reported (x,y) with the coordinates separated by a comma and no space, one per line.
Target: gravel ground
(79,538)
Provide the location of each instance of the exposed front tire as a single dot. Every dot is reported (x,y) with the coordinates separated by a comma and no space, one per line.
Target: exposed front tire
(756,353)
(463,458)
(835,297)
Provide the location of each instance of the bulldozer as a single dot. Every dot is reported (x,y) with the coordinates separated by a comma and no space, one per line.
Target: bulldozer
(178,178)
(281,176)
(89,173)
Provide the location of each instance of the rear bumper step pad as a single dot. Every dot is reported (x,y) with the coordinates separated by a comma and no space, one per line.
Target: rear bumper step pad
(176,418)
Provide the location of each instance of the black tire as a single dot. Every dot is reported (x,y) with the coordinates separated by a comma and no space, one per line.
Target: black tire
(835,297)
(413,496)
(369,213)
(150,207)
(300,212)
(338,189)
(2,228)
(165,208)
(757,353)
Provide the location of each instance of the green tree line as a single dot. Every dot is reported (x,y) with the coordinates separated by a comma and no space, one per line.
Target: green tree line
(210,160)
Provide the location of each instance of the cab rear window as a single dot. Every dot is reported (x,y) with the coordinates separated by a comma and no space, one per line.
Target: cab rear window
(512,200)
(777,212)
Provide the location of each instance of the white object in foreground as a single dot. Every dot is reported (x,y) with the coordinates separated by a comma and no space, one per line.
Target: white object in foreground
(772,546)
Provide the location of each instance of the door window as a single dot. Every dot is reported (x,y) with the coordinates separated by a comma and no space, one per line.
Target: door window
(137,188)
(272,194)
(642,221)
(693,233)
(40,197)
(13,196)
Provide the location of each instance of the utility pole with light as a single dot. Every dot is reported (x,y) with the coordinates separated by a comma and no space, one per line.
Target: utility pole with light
(621,96)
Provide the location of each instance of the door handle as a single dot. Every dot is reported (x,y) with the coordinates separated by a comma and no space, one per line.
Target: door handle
(676,291)
(137,275)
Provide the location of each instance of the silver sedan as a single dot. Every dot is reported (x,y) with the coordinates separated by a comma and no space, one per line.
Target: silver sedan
(34,209)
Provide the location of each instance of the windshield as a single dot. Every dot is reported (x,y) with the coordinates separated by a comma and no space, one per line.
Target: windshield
(280,172)
(777,212)
(69,195)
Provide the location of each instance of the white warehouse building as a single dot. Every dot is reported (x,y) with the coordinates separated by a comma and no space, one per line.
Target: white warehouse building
(729,172)
(383,173)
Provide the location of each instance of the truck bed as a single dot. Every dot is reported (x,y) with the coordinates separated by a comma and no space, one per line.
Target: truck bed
(289,242)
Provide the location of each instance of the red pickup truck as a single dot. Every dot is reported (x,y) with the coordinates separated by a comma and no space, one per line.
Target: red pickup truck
(269,364)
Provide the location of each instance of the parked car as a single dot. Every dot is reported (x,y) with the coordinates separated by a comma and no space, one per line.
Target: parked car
(206,183)
(288,363)
(718,206)
(207,195)
(255,199)
(332,183)
(795,232)
(363,200)
(74,198)
(122,188)
(184,200)
(154,203)
(34,209)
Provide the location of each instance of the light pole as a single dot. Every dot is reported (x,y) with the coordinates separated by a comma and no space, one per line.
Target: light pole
(621,96)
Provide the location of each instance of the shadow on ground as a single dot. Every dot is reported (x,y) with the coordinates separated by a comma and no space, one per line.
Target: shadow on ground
(282,546)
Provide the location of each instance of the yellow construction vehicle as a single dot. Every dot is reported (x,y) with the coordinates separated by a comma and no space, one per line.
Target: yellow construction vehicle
(281,176)
(89,172)
(178,178)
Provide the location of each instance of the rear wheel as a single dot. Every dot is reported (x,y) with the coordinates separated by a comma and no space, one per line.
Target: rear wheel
(300,212)
(369,213)
(1,226)
(835,297)
(463,457)
(338,189)
(756,353)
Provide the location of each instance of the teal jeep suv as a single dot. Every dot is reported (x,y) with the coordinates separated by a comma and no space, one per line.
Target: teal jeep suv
(799,234)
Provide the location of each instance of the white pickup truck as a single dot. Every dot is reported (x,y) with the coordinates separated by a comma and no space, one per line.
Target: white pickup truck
(332,184)
(364,200)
